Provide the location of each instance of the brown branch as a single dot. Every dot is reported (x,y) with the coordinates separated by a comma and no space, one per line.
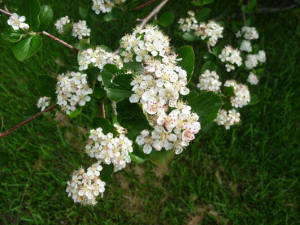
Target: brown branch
(27,121)
(5,12)
(103,109)
(144,5)
(60,41)
(153,13)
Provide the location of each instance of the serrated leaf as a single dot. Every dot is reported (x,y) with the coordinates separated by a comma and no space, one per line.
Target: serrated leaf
(166,19)
(188,60)
(202,2)
(27,47)
(206,105)
(45,16)
(190,36)
(117,95)
(136,158)
(162,157)
(203,14)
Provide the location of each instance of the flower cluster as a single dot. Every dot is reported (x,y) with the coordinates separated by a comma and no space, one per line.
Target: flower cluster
(17,22)
(241,94)
(98,57)
(108,149)
(210,31)
(252,60)
(209,81)
(248,33)
(43,103)
(227,118)
(85,187)
(72,89)
(105,6)
(144,44)
(158,88)
(80,30)
(60,23)
(231,56)
(252,79)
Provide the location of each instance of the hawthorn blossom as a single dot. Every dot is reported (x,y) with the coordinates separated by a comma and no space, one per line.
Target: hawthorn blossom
(241,94)
(252,79)
(60,23)
(17,22)
(231,56)
(227,118)
(209,81)
(43,103)
(80,30)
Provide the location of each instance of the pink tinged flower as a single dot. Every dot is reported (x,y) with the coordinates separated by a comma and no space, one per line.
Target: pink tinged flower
(151,107)
(187,136)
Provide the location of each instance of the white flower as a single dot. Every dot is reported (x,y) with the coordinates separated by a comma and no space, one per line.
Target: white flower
(251,61)
(108,149)
(43,103)
(209,81)
(252,79)
(81,30)
(105,6)
(261,56)
(232,56)
(250,33)
(246,46)
(85,187)
(241,94)
(72,89)
(227,118)
(17,22)
(60,23)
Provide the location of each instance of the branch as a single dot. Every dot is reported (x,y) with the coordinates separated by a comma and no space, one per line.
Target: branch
(5,12)
(144,5)
(60,41)
(153,13)
(27,121)
(277,9)
(103,109)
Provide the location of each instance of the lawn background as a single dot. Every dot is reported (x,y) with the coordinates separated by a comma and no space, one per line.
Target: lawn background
(247,175)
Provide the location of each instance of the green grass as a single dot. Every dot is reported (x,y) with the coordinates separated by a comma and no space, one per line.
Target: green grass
(248,175)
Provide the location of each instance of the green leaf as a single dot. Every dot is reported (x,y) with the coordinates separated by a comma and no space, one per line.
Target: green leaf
(109,17)
(190,36)
(99,92)
(166,19)
(75,113)
(103,123)
(136,158)
(228,91)
(83,11)
(162,157)
(188,59)
(106,173)
(83,44)
(122,81)
(11,35)
(206,105)
(45,16)
(46,86)
(27,47)
(108,73)
(133,66)
(252,6)
(202,2)
(117,95)
(31,9)
(209,65)
(203,14)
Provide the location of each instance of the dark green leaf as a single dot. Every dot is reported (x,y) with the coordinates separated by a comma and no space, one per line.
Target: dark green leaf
(46,16)
(209,65)
(228,91)
(206,105)
(99,92)
(109,17)
(27,47)
(83,11)
(203,14)
(133,66)
(106,173)
(103,123)
(107,74)
(122,81)
(188,59)
(166,19)
(117,95)
(202,2)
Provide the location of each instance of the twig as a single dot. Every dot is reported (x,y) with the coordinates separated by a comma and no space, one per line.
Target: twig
(60,41)
(27,121)
(244,18)
(144,5)
(5,12)
(103,109)
(153,13)
(277,9)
